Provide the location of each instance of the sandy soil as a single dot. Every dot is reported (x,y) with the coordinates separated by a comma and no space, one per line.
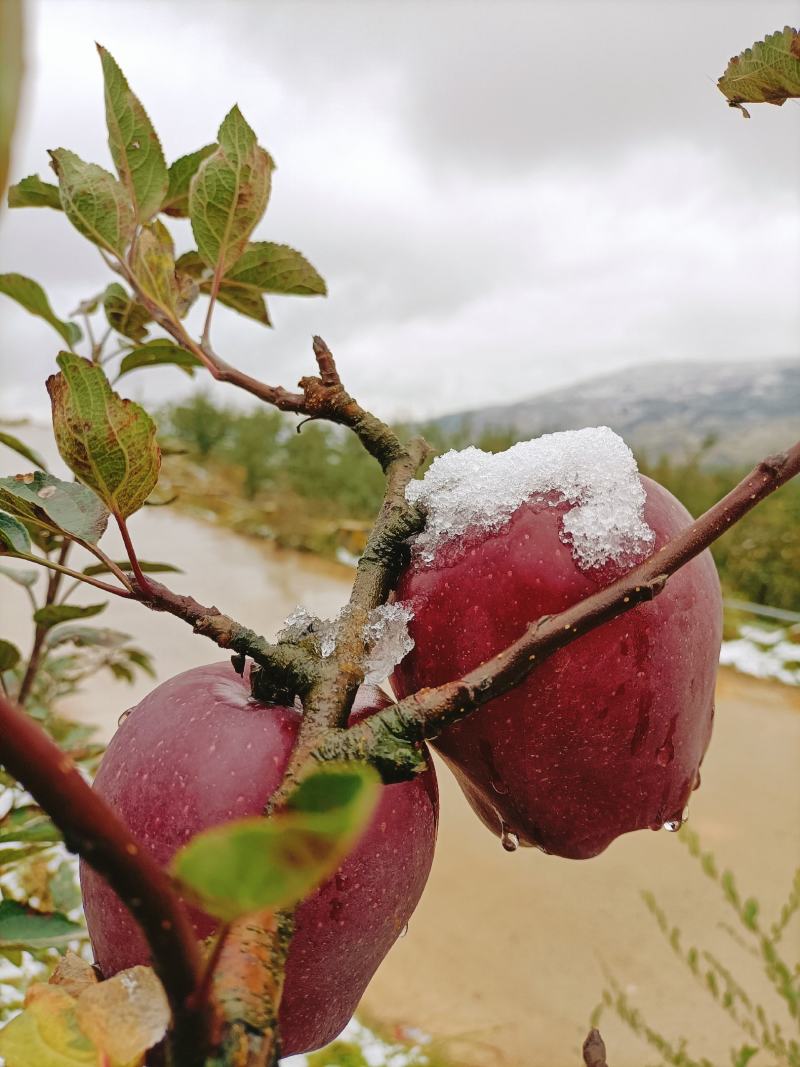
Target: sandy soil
(505,954)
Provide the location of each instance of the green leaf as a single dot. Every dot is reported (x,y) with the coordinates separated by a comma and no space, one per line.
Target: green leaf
(11,70)
(24,578)
(55,505)
(154,266)
(33,192)
(229,193)
(22,449)
(135,147)
(85,637)
(96,204)
(107,442)
(124,314)
(47,1034)
(252,864)
(273,268)
(13,534)
(159,353)
(24,927)
(53,614)
(148,568)
(33,298)
(27,824)
(246,301)
(10,655)
(181,172)
(767,73)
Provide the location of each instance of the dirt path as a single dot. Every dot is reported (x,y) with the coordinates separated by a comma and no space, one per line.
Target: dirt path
(506,951)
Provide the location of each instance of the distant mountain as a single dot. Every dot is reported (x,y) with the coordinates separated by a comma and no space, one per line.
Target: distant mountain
(667,408)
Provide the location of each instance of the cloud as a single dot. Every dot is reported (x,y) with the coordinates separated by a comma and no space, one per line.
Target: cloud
(503,197)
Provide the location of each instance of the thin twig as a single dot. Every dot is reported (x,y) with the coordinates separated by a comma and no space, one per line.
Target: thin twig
(138,573)
(85,578)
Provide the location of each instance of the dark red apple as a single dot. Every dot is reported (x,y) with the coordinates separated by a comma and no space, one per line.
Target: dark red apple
(606,736)
(199,751)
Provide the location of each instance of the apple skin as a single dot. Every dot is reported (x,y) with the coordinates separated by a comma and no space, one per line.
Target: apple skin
(607,735)
(199,751)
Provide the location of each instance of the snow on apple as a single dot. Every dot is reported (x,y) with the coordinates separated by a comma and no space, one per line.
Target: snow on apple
(591,470)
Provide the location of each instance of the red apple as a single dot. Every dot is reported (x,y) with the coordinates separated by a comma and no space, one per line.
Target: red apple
(199,751)
(608,734)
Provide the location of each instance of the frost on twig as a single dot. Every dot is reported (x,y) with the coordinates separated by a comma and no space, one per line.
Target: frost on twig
(385,635)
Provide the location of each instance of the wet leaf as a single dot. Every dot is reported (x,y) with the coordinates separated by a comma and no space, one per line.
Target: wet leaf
(252,864)
(33,192)
(33,298)
(229,193)
(154,266)
(55,505)
(769,72)
(25,927)
(159,354)
(181,173)
(107,442)
(124,314)
(135,147)
(53,614)
(10,655)
(13,534)
(96,204)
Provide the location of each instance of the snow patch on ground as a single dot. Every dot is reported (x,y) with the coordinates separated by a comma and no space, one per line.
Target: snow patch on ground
(763,654)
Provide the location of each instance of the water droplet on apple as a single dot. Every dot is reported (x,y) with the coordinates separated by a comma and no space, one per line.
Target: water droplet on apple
(665,754)
(508,839)
(123,717)
(685,814)
(697,781)
(500,787)
(404,931)
(672,825)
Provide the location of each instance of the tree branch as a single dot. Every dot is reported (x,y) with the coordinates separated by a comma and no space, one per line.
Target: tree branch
(292,668)
(91,829)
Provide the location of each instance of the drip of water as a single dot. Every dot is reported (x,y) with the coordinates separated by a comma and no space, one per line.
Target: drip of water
(404,931)
(123,717)
(672,825)
(508,839)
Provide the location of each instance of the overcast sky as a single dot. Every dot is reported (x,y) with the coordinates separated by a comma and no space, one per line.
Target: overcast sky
(503,197)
